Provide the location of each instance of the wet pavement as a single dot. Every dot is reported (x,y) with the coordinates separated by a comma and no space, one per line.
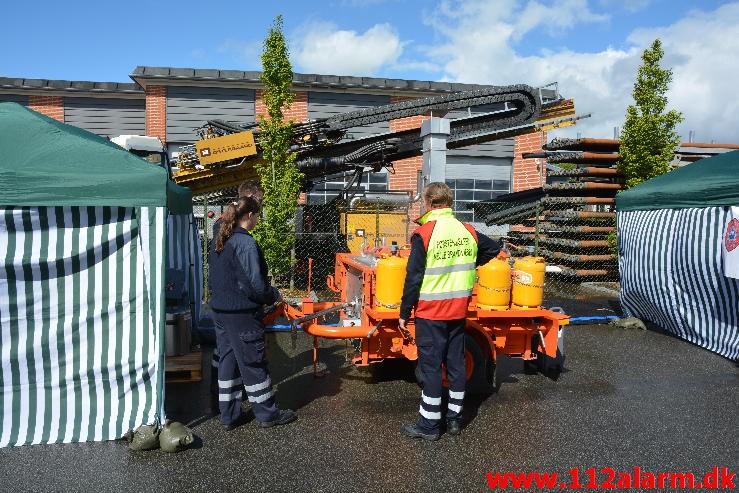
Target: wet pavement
(626,398)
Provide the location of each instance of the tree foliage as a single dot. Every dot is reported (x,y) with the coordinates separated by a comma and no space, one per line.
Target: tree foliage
(648,139)
(278,175)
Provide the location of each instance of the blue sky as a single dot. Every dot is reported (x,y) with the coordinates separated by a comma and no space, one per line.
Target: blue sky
(591,47)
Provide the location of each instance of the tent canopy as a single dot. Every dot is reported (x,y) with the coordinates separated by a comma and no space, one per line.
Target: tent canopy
(179,199)
(48,163)
(711,182)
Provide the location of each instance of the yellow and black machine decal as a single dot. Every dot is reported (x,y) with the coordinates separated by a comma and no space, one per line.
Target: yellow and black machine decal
(226,147)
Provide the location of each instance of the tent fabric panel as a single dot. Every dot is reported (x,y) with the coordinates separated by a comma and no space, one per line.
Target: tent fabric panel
(184,252)
(671,269)
(80,346)
(153,243)
(179,199)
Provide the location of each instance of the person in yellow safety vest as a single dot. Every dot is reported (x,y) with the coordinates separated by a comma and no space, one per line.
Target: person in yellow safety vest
(439,279)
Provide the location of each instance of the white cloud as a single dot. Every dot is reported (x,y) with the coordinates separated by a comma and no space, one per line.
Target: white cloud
(321,47)
(557,17)
(480,47)
(702,50)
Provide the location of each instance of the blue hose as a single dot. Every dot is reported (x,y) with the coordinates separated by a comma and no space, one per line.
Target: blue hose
(285,328)
(601,318)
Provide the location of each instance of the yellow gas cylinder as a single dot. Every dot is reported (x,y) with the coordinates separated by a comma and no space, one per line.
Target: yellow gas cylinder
(389,281)
(528,283)
(494,285)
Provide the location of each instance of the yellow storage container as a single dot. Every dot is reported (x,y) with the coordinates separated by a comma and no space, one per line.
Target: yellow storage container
(390,278)
(494,285)
(528,283)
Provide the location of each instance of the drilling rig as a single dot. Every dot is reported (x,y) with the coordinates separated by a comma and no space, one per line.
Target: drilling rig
(368,281)
(225,153)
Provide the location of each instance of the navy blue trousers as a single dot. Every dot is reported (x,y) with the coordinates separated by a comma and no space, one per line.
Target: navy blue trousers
(242,367)
(440,341)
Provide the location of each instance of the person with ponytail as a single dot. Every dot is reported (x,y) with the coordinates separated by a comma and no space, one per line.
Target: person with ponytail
(254,190)
(239,290)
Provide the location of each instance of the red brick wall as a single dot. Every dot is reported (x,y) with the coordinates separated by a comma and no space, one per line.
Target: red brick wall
(298,111)
(526,173)
(156,112)
(51,106)
(406,170)
(259,107)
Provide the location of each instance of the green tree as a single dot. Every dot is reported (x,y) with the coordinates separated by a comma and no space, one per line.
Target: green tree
(648,139)
(278,175)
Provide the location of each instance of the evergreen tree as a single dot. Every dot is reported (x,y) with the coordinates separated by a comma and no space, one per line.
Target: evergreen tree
(278,175)
(648,139)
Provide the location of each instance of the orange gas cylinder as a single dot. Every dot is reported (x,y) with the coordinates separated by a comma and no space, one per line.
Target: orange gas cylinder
(494,285)
(528,283)
(389,281)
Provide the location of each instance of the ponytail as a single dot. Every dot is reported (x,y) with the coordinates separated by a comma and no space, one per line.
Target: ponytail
(231,216)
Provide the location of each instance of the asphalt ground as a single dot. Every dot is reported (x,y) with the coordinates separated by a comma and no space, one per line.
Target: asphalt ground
(627,398)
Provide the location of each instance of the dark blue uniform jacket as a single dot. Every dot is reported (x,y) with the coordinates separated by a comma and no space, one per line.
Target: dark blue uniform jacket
(238,275)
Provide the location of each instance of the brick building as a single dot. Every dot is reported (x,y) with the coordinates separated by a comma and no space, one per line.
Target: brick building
(170,103)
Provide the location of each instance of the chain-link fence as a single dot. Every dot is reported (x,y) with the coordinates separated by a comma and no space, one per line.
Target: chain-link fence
(572,234)
(322,231)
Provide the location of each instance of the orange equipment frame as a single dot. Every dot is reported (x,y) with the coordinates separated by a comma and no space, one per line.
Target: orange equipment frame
(527,334)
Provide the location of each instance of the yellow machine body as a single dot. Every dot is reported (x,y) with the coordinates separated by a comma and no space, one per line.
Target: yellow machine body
(528,283)
(389,283)
(368,228)
(494,285)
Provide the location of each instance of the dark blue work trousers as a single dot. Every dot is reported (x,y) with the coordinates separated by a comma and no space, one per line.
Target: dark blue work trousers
(242,367)
(440,341)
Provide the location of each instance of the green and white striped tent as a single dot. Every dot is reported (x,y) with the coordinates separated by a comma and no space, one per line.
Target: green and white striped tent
(83,224)
(678,259)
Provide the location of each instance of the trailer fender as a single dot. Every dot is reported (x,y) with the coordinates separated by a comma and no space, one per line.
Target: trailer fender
(480,354)
(482,338)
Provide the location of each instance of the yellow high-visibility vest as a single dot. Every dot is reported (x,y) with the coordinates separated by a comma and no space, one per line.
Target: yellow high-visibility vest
(450,272)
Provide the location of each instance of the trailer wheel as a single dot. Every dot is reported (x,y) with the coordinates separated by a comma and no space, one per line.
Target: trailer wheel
(482,379)
(547,366)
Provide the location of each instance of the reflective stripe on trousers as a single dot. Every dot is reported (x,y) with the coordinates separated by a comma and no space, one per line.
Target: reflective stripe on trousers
(240,339)
(456,400)
(438,341)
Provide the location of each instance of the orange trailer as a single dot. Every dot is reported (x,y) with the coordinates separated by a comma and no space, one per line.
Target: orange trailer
(530,334)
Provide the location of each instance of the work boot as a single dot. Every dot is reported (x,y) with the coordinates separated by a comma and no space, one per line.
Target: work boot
(237,422)
(413,431)
(284,416)
(453,426)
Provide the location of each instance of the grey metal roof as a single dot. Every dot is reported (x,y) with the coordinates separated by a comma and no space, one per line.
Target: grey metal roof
(144,74)
(300,80)
(69,85)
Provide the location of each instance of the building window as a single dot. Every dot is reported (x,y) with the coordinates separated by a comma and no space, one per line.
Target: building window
(467,191)
(326,191)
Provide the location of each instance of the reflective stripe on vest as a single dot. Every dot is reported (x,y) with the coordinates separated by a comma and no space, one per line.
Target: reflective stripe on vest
(450,259)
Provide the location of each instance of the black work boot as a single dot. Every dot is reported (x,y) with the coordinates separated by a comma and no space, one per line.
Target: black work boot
(244,418)
(284,416)
(454,426)
(413,431)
